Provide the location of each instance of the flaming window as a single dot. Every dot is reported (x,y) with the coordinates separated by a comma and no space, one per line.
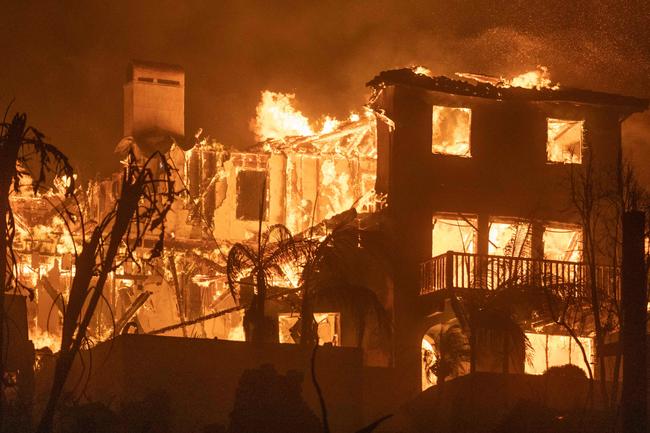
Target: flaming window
(510,239)
(555,350)
(564,142)
(453,234)
(451,130)
(562,244)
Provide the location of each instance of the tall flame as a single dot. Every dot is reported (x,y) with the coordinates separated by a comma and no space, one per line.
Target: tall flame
(276,118)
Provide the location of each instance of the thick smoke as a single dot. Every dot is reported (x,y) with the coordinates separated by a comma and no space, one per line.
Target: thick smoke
(67,64)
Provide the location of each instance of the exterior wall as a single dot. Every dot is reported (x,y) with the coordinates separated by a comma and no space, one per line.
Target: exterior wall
(506,176)
(226,224)
(296,183)
(154,99)
(201,376)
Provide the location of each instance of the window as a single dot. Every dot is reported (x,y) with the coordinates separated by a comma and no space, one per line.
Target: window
(510,239)
(564,141)
(562,244)
(453,234)
(168,82)
(250,184)
(451,130)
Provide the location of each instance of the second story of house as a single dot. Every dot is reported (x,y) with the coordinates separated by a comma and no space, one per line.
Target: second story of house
(478,147)
(482,166)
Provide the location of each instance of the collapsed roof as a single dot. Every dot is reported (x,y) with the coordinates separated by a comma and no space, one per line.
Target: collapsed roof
(350,138)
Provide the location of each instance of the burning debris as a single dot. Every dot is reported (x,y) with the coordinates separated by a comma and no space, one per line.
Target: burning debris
(308,177)
(537,79)
(326,173)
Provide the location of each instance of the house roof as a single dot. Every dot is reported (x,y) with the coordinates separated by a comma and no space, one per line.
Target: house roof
(408,77)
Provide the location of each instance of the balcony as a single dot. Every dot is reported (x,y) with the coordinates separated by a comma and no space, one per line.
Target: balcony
(464,271)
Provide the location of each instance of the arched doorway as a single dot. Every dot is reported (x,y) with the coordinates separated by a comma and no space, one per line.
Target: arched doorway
(445,353)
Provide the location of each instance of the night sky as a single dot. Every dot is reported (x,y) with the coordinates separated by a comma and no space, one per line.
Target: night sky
(65,62)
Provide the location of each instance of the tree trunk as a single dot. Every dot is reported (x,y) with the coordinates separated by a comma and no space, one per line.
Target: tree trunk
(70,346)
(5,275)
(3,287)
(633,328)
(9,147)
(307,335)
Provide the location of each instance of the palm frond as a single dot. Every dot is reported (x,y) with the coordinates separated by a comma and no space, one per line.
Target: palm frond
(277,234)
(241,263)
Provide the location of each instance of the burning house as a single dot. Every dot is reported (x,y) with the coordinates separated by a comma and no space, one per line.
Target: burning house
(302,178)
(500,169)
(476,182)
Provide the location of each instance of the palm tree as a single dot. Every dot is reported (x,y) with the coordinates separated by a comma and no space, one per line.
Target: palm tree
(450,353)
(145,199)
(255,268)
(326,265)
(24,155)
(331,274)
(496,334)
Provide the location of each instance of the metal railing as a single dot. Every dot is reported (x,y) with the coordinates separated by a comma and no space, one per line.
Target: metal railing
(454,270)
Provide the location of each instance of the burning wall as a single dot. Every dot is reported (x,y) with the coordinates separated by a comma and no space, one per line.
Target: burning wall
(327,174)
(302,176)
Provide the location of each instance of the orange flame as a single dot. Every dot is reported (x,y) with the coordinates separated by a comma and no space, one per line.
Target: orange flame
(537,79)
(43,339)
(277,118)
(421,70)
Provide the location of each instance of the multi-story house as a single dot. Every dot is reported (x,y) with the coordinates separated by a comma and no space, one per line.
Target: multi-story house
(491,187)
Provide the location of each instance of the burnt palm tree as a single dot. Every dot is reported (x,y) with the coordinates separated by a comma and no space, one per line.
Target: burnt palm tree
(251,273)
(26,160)
(147,193)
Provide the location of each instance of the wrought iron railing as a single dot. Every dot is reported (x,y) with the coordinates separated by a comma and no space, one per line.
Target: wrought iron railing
(454,270)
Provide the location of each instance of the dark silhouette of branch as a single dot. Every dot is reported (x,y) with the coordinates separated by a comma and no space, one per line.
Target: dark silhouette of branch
(319,392)
(147,193)
(24,157)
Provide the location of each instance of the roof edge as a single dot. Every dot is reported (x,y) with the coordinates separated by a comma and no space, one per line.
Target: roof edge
(408,77)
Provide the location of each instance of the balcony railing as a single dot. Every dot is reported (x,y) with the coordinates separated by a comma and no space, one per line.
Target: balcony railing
(476,271)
